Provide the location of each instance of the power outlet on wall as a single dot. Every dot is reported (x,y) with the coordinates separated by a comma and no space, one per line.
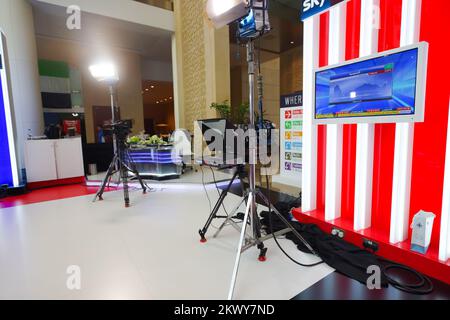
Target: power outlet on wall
(338,233)
(372,245)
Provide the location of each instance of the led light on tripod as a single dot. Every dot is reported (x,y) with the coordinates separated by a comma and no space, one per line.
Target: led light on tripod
(256,22)
(223,12)
(104,72)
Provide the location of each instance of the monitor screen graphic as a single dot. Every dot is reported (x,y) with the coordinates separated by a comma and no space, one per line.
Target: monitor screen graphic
(376,87)
(370,84)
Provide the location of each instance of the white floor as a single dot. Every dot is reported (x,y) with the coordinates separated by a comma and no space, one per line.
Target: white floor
(190,176)
(149,251)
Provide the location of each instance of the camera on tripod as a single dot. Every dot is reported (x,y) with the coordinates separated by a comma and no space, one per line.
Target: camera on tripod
(121,128)
(121,163)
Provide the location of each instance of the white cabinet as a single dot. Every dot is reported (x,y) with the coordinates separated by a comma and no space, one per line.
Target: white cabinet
(40,160)
(47,160)
(69,158)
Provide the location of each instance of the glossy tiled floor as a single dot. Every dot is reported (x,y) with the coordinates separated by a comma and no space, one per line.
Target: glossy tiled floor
(149,251)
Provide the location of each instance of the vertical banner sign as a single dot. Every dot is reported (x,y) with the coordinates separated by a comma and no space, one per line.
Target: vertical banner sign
(312,7)
(8,164)
(291,137)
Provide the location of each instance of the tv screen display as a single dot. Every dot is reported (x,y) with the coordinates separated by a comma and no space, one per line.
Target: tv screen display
(387,87)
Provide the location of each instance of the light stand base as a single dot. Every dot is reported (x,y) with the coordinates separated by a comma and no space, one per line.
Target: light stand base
(247,241)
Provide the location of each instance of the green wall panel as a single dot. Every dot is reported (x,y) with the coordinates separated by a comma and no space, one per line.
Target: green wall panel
(57,69)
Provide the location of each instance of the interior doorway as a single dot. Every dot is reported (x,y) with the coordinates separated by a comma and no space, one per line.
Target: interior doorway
(159,110)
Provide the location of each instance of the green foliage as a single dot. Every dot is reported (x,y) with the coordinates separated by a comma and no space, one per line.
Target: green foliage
(151,141)
(134,140)
(223,109)
(242,113)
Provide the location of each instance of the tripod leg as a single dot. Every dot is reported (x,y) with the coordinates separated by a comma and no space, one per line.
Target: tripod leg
(256,228)
(216,209)
(124,175)
(239,250)
(211,217)
(109,173)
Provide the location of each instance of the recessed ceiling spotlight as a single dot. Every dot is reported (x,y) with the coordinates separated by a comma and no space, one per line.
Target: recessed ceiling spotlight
(157,102)
(170,98)
(146,89)
(292,42)
(153,87)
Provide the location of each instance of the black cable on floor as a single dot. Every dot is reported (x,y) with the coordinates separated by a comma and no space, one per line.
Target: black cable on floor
(421,287)
(275,237)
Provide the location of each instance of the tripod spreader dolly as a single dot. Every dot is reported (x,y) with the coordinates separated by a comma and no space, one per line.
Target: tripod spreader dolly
(258,240)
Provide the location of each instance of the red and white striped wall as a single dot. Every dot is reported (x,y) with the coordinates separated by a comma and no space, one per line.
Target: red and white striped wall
(373,178)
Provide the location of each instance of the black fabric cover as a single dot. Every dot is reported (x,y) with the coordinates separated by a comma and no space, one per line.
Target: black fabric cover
(345,257)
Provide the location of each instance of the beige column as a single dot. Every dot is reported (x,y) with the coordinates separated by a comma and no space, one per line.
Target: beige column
(201,63)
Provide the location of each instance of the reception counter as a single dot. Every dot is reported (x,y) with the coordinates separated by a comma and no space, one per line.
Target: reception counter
(157,162)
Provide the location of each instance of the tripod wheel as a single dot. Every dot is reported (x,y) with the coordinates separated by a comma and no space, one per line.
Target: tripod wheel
(262,259)
(100,198)
(127,205)
(203,240)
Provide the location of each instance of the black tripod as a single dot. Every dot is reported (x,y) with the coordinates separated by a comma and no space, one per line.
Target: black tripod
(122,163)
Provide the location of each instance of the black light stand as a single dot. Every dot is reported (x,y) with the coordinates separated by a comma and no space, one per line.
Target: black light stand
(252,237)
(251,215)
(251,32)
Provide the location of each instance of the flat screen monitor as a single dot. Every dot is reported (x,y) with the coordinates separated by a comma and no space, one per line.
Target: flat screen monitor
(219,129)
(388,87)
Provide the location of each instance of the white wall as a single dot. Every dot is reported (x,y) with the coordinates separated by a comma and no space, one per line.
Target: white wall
(16,21)
(126,10)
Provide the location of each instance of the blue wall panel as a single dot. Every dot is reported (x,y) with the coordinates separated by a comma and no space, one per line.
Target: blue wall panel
(6,176)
